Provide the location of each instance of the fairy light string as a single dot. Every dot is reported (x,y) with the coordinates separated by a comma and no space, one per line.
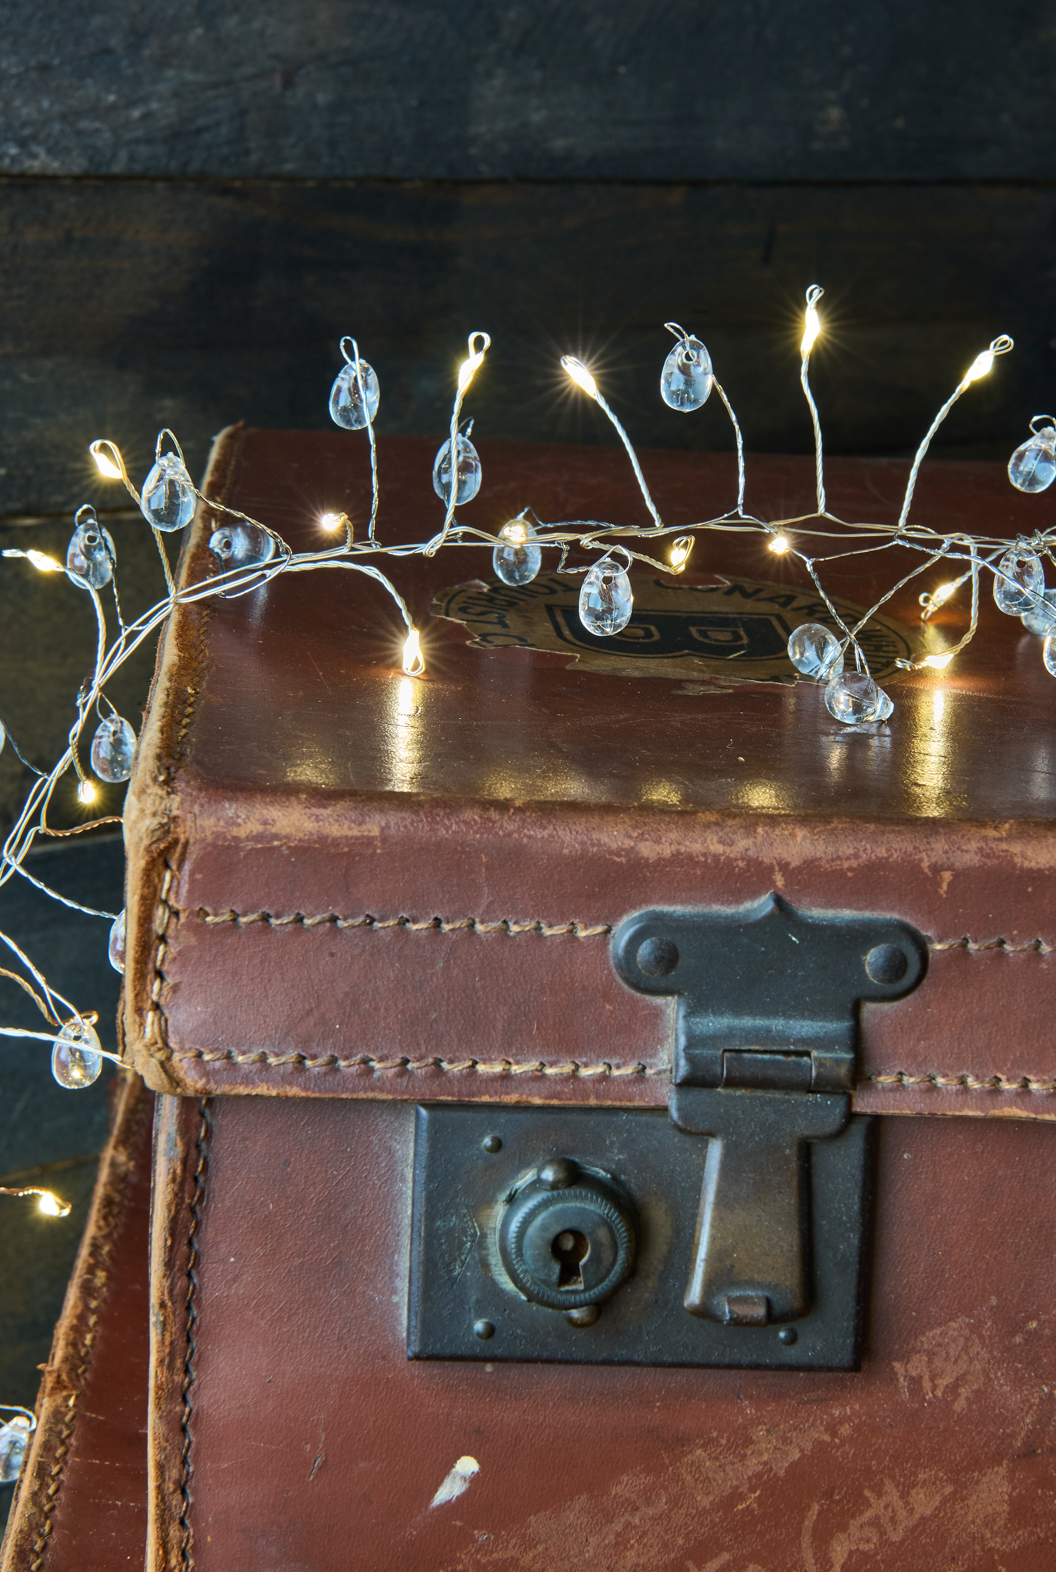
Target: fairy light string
(247,554)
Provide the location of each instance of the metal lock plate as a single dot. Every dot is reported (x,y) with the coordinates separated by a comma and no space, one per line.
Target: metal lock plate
(731,1234)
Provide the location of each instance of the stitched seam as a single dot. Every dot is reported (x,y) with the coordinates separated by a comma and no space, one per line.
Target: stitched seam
(904,1079)
(437,924)
(98,1276)
(155,1023)
(193,1256)
(331,1061)
(1035,946)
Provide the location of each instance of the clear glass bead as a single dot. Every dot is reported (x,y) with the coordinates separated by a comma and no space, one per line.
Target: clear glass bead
(815,652)
(240,545)
(1032,466)
(76,1059)
(14,1441)
(113,749)
(168,494)
(3,736)
(116,947)
(605,601)
(90,556)
(1041,618)
(468,471)
(853,697)
(520,560)
(686,380)
(347,409)
(884,708)
(1048,653)
(1019,582)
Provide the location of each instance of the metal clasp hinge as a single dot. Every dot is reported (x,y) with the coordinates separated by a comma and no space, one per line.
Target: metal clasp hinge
(764,1061)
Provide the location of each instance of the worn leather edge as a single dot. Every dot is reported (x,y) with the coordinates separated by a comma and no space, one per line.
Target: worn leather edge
(39,1493)
(181,1157)
(152,827)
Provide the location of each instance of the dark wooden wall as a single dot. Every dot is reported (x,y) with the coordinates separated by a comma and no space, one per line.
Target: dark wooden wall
(197,201)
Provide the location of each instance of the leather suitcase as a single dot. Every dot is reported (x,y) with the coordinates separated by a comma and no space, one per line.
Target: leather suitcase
(81,1501)
(585,976)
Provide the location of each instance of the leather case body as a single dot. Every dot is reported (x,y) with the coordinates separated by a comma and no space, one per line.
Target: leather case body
(81,1503)
(351,892)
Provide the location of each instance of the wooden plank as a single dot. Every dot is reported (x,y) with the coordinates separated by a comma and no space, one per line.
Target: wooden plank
(128,305)
(598,89)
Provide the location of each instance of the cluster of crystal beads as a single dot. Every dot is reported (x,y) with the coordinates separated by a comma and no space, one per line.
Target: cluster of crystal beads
(1041,618)
(168,494)
(687,378)
(349,406)
(242,545)
(1019,581)
(468,471)
(519,559)
(1032,466)
(76,1059)
(605,601)
(14,1439)
(116,946)
(854,698)
(90,556)
(815,652)
(113,749)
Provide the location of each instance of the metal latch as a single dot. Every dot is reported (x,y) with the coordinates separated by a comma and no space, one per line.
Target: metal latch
(764,1061)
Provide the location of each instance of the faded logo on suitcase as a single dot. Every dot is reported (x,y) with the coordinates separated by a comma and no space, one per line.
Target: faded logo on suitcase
(730,630)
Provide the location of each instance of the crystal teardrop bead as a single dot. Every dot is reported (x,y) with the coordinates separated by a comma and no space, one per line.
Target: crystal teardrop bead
(815,652)
(168,494)
(605,601)
(14,1439)
(113,749)
(469,471)
(885,707)
(116,946)
(686,380)
(519,560)
(1041,618)
(1048,653)
(90,556)
(1032,466)
(347,407)
(76,1059)
(240,545)
(1018,582)
(852,697)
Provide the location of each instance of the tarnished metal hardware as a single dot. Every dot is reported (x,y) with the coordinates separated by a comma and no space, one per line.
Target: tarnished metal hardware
(764,1058)
(566,1237)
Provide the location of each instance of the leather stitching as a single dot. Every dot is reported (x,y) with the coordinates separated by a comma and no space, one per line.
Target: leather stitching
(193,1256)
(332,1061)
(438,924)
(967,1082)
(154,1024)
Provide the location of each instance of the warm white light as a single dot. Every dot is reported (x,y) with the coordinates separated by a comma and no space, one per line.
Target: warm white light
(515,532)
(103,462)
(678,556)
(941,595)
(39,560)
(467,369)
(579,374)
(811,329)
(331,521)
(413,660)
(980,366)
(779,544)
(51,1206)
(940,662)
(86,792)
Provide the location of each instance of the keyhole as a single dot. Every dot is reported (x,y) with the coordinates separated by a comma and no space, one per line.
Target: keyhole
(570,1249)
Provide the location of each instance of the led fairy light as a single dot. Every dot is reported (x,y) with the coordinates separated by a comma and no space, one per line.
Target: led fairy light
(248,554)
(47,1202)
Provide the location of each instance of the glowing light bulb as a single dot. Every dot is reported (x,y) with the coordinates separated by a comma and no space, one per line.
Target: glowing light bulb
(331,521)
(103,462)
(779,544)
(678,556)
(579,374)
(413,660)
(45,564)
(811,329)
(980,366)
(86,792)
(940,596)
(514,532)
(939,662)
(51,1206)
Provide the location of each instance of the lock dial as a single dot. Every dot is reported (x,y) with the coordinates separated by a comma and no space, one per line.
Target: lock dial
(567,1237)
